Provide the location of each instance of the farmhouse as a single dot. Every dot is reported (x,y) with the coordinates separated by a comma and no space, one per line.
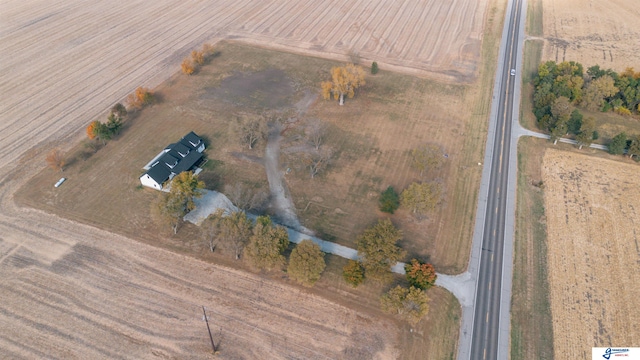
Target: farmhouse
(184,155)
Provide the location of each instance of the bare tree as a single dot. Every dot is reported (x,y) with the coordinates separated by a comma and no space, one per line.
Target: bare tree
(55,160)
(209,230)
(232,232)
(318,161)
(284,119)
(250,129)
(354,56)
(316,133)
(246,197)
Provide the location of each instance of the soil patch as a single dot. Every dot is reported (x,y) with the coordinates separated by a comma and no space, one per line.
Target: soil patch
(270,88)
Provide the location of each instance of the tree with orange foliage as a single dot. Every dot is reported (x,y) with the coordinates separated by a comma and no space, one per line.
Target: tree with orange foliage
(344,81)
(55,160)
(197,57)
(140,98)
(98,130)
(91,129)
(420,275)
(187,67)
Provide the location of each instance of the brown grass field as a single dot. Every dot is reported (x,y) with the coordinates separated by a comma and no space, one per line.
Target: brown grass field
(593,224)
(531,336)
(602,32)
(87,291)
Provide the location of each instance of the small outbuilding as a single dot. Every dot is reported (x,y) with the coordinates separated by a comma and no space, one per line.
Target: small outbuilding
(184,155)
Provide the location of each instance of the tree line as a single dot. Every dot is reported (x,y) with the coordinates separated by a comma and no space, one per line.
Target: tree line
(562,88)
(98,130)
(263,245)
(101,132)
(197,59)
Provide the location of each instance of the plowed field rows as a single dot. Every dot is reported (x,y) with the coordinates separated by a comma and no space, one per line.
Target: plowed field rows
(64,62)
(592,209)
(603,32)
(70,291)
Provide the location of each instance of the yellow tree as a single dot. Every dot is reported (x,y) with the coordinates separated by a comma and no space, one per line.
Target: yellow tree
(410,304)
(306,263)
(197,57)
(187,67)
(421,198)
(140,98)
(344,81)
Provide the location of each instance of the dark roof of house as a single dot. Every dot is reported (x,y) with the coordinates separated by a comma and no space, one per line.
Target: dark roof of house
(159,172)
(192,139)
(178,150)
(188,162)
(170,161)
(178,158)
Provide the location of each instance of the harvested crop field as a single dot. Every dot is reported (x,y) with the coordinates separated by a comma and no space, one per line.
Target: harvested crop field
(63,62)
(603,32)
(592,209)
(74,291)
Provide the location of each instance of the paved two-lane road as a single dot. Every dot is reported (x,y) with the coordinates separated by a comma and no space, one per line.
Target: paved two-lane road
(489,296)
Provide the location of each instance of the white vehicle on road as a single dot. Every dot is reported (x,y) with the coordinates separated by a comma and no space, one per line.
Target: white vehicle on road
(513,72)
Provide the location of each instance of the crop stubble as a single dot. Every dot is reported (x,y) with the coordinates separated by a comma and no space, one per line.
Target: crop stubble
(603,32)
(593,221)
(78,292)
(64,62)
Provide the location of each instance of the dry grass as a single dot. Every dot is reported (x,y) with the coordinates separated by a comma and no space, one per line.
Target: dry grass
(531,59)
(603,32)
(593,223)
(531,335)
(371,136)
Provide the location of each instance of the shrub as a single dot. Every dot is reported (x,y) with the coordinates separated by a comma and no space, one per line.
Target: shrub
(389,200)
(374,68)
(353,273)
(621,110)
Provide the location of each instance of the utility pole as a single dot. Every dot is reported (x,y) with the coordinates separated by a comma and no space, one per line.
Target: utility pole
(213,345)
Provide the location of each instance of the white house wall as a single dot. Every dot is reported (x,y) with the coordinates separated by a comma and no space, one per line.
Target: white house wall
(147,181)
